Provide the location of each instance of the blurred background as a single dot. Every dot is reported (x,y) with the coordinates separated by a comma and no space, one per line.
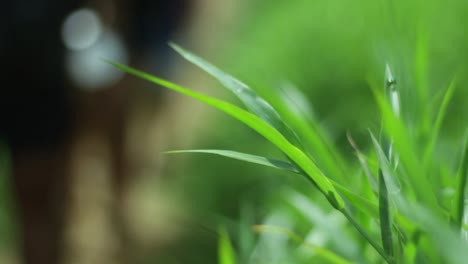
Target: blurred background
(82,177)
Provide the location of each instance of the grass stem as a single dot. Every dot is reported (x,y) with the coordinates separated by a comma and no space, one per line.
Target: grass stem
(371,241)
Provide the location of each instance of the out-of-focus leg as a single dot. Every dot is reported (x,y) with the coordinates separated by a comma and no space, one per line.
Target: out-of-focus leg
(40,183)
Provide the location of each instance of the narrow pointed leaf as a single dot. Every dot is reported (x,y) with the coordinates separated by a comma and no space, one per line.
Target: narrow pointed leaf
(367,236)
(262,127)
(385,220)
(291,103)
(405,146)
(447,242)
(372,179)
(461,187)
(439,119)
(274,163)
(247,95)
(392,182)
(360,203)
(226,253)
(364,205)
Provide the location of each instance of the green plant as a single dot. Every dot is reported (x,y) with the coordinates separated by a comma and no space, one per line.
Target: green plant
(398,202)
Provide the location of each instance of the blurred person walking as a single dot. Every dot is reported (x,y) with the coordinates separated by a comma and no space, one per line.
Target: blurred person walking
(66,115)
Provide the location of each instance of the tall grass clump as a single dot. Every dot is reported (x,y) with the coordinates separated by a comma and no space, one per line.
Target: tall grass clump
(399,199)
(405,204)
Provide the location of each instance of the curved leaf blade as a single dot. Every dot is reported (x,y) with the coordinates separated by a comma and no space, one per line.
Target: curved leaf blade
(260,126)
(459,208)
(385,219)
(273,163)
(360,203)
(392,183)
(448,95)
(366,206)
(247,95)
(404,143)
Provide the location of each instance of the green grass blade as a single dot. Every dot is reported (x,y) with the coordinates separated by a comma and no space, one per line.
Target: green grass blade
(447,243)
(438,121)
(385,220)
(273,163)
(368,237)
(247,95)
(395,129)
(372,179)
(364,205)
(326,254)
(392,182)
(262,127)
(360,203)
(391,90)
(461,187)
(422,79)
(313,137)
(226,253)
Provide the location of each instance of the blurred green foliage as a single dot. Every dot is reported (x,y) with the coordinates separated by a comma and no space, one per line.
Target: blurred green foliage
(333,51)
(331,48)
